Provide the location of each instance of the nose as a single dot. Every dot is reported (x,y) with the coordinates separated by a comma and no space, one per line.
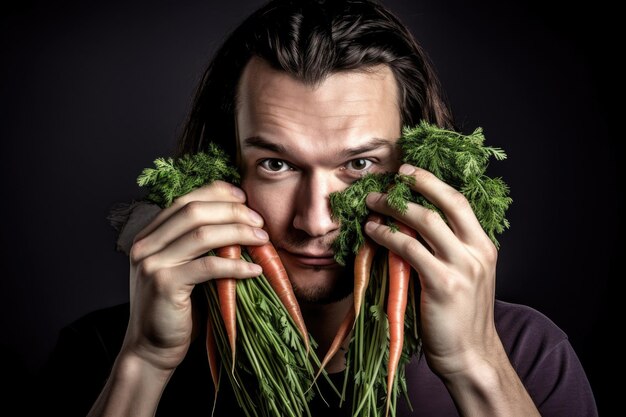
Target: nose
(312,214)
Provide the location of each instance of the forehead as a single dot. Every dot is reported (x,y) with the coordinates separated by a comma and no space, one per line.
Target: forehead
(343,108)
(259,78)
(261,84)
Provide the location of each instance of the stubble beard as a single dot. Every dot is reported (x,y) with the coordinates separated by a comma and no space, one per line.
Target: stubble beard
(326,293)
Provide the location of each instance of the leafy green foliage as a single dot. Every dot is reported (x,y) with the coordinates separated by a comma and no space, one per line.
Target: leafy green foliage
(459,160)
(172,178)
(274,372)
(451,156)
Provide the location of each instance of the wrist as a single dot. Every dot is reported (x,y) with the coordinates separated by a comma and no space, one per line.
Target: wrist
(489,386)
(133,367)
(134,388)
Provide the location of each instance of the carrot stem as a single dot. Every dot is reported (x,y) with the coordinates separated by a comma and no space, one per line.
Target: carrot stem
(267,257)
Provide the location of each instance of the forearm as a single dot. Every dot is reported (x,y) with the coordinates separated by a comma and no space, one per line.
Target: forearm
(491,388)
(134,389)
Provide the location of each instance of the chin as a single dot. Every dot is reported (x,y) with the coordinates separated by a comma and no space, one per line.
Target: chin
(320,286)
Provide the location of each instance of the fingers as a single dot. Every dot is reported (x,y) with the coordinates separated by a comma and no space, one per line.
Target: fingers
(461,241)
(209,267)
(197,215)
(205,238)
(459,214)
(427,223)
(407,247)
(216,191)
(207,218)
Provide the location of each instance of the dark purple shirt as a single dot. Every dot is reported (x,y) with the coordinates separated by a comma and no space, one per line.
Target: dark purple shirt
(539,351)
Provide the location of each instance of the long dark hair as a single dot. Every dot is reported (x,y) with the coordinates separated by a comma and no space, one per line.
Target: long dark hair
(310,40)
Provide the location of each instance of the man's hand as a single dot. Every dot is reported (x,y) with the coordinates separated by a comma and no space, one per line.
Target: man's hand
(456,264)
(167,261)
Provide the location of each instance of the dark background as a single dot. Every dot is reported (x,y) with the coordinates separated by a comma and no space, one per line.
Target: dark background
(93,93)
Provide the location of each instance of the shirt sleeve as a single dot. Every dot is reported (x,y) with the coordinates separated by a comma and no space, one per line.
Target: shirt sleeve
(559,384)
(546,362)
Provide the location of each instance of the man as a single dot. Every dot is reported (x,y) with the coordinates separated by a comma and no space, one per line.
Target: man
(308,96)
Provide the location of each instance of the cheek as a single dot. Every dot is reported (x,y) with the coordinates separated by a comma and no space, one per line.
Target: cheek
(273,202)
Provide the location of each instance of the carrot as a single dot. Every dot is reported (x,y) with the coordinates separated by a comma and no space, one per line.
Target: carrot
(340,336)
(267,257)
(363,266)
(212,353)
(399,278)
(227,293)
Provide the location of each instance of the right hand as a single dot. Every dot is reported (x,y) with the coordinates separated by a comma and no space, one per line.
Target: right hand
(167,261)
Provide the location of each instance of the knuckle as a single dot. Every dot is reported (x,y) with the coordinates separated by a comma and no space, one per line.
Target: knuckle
(243,230)
(182,201)
(148,267)
(192,209)
(476,269)
(431,217)
(237,211)
(216,188)
(409,245)
(136,252)
(207,263)
(200,234)
(490,252)
(459,200)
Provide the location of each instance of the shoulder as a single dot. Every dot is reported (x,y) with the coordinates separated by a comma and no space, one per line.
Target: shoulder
(519,324)
(545,360)
(528,335)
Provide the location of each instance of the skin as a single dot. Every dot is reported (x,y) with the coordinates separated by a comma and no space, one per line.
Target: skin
(298,144)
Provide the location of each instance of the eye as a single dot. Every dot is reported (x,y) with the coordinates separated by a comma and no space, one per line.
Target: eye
(359,164)
(274,165)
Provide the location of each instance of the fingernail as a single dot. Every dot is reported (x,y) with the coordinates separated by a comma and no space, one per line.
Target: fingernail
(261,234)
(371,226)
(238,192)
(372,197)
(255,269)
(406,169)
(255,217)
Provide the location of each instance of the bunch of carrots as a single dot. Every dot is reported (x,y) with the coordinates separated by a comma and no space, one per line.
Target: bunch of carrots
(384,323)
(274,349)
(255,328)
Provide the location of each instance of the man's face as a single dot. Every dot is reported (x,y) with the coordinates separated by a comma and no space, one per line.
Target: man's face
(300,143)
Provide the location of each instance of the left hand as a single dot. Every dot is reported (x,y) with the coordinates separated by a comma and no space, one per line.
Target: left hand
(456,264)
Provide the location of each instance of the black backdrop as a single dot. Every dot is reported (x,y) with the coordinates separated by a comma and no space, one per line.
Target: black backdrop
(93,93)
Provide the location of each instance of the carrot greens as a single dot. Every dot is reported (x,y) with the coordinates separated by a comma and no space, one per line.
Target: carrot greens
(457,159)
(273,370)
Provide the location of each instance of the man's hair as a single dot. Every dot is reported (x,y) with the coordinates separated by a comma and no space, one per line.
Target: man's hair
(311,40)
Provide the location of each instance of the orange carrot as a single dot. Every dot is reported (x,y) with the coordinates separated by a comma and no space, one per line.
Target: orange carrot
(267,257)
(227,293)
(211,350)
(363,266)
(399,278)
(340,336)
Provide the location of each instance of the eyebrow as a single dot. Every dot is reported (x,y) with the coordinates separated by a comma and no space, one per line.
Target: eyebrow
(262,143)
(373,144)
